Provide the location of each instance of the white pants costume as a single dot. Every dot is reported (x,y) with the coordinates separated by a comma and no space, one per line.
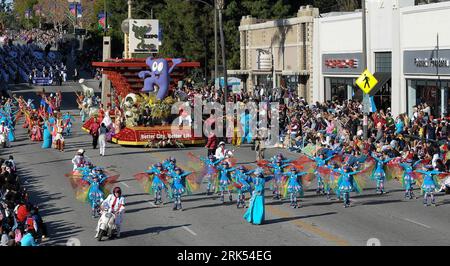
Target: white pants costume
(102,143)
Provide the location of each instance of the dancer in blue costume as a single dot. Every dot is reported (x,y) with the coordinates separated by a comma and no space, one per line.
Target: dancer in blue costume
(243,180)
(157,182)
(8,115)
(430,185)
(68,120)
(225,179)
(170,164)
(211,171)
(256,210)
(407,178)
(47,135)
(95,194)
(320,162)
(295,186)
(178,184)
(346,184)
(245,123)
(278,172)
(379,174)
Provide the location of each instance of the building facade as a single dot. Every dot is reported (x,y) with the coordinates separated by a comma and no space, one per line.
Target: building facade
(408,50)
(278,53)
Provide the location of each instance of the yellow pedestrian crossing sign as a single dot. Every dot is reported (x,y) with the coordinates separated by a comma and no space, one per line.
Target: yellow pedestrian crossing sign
(366,81)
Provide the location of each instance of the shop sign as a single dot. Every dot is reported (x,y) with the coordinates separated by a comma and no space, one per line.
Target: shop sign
(342,63)
(427,62)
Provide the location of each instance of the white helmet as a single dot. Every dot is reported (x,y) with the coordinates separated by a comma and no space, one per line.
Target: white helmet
(81,81)
(80,151)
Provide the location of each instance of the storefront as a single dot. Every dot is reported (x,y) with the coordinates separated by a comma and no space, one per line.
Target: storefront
(402,53)
(340,72)
(427,74)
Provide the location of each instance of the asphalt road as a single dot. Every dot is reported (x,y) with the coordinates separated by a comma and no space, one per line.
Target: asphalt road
(386,219)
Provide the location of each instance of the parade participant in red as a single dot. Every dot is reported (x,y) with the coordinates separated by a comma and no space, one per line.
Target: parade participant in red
(93,130)
(211,145)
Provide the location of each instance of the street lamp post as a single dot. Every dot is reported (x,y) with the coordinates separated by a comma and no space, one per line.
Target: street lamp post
(220,6)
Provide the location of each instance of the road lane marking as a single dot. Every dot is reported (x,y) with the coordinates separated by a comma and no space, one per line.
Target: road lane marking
(189,230)
(414,222)
(125,184)
(310,228)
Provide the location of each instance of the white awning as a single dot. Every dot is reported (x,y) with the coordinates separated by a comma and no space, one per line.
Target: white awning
(294,73)
(238,72)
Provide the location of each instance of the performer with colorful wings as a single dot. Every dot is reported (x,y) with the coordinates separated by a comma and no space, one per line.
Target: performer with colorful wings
(225,179)
(211,171)
(92,185)
(346,184)
(156,173)
(242,183)
(330,178)
(379,173)
(278,172)
(320,162)
(408,177)
(294,185)
(178,184)
(430,183)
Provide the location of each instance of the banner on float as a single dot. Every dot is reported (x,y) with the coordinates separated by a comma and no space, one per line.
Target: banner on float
(41,81)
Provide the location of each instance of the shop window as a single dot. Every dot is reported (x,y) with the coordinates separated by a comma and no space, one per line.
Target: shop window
(383,62)
(429,92)
(339,89)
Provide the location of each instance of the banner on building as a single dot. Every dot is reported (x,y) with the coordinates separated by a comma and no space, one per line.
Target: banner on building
(144,36)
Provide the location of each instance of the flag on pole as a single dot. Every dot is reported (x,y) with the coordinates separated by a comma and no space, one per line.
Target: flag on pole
(76,12)
(72,9)
(79,11)
(101,20)
(373,107)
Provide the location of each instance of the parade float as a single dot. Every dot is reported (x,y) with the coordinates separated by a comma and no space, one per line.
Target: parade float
(144,86)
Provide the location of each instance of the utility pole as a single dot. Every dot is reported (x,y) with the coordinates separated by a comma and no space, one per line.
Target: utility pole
(220,7)
(364,64)
(216,59)
(443,90)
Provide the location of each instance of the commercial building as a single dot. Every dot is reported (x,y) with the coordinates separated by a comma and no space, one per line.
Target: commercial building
(408,50)
(280,49)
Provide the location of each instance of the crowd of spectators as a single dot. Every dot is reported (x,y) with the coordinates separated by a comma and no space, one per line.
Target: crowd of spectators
(20,221)
(338,125)
(23,62)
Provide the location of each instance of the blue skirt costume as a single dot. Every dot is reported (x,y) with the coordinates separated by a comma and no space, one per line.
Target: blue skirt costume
(95,194)
(429,184)
(294,186)
(11,136)
(255,213)
(157,183)
(177,186)
(47,137)
(408,181)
